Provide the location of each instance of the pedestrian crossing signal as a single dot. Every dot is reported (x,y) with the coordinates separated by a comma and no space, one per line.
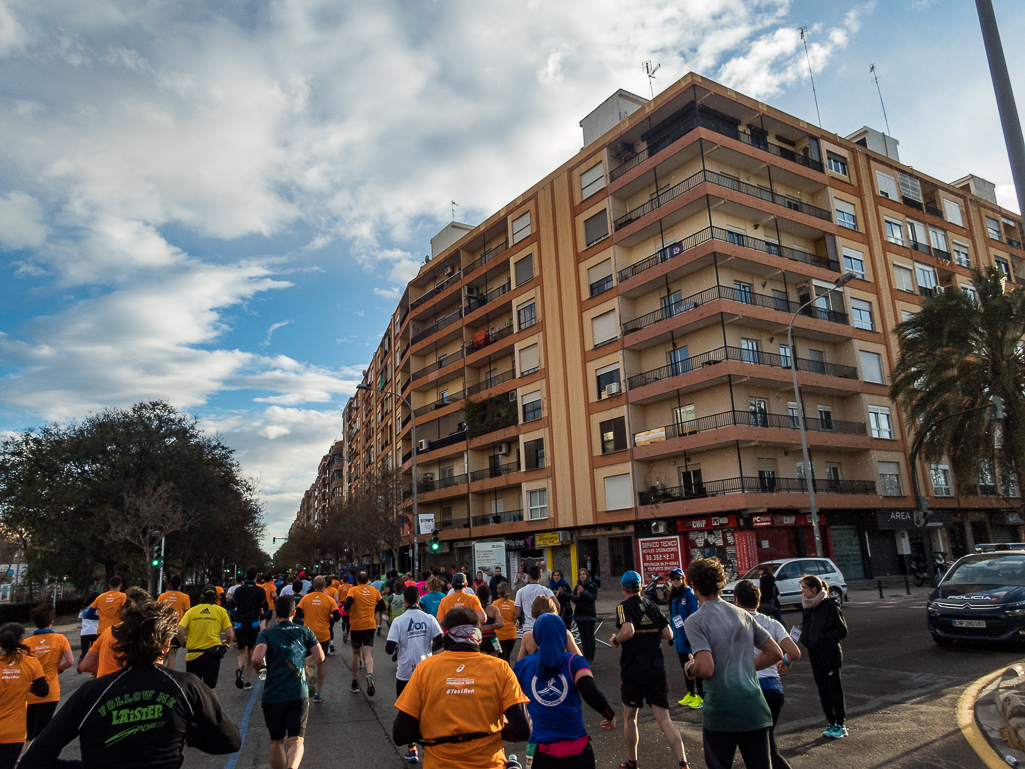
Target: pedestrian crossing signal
(435,544)
(156,560)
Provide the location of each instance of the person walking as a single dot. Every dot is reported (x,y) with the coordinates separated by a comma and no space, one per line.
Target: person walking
(414,638)
(747,596)
(769,595)
(54,653)
(248,603)
(683,603)
(281,651)
(496,579)
(506,634)
(520,579)
(199,631)
(556,683)
(640,629)
(108,606)
(181,603)
(822,629)
(585,613)
(525,596)
(23,677)
(363,603)
(90,620)
(721,637)
(318,611)
(493,620)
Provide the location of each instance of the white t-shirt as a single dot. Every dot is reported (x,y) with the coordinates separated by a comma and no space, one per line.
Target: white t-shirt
(232,589)
(778,633)
(287,590)
(525,597)
(89,626)
(414,631)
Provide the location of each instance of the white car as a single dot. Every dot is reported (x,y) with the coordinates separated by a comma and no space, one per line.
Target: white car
(788,573)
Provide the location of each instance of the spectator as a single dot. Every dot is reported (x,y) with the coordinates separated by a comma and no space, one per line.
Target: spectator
(822,630)
(682,604)
(496,580)
(585,594)
(545,577)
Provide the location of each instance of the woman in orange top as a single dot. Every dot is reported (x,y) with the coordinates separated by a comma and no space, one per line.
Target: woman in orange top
(506,634)
(54,653)
(20,675)
(101,659)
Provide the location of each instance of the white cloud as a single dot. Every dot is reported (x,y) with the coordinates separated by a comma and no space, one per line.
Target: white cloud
(21,224)
(12,35)
(271,330)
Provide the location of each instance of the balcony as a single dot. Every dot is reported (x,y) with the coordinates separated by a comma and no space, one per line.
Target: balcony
(1014,243)
(474,303)
(752,419)
(752,485)
(482,339)
(428,484)
(459,436)
(487,256)
(487,384)
(741,355)
(493,519)
(929,292)
(438,404)
(434,328)
(450,281)
(734,295)
(450,358)
(495,472)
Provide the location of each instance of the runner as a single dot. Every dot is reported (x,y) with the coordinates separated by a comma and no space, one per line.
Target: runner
(231,590)
(281,650)
(462,703)
(525,596)
(271,591)
(248,603)
(101,658)
(181,604)
(363,603)
(722,636)
(543,605)
(493,621)
(343,592)
(414,638)
(108,606)
(318,611)
(507,633)
(332,592)
(460,596)
(89,620)
(430,601)
(683,603)
(200,633)
(54,653)
(23,677)
(641,628)
(140,716)
(555,681)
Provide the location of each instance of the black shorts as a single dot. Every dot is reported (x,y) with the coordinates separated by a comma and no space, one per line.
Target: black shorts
(325,647)
(286,719)
(206,666)
(360,638)
(37,716)
(399,686)
(634,693)
(245,637)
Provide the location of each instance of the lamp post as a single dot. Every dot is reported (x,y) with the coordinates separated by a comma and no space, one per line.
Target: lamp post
(416,520)
(840,282)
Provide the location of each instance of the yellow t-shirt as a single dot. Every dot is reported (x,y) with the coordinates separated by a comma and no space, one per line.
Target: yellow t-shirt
(317,608)
(49,649)
(181,602)
(16,676)
(458,599)
(204,624)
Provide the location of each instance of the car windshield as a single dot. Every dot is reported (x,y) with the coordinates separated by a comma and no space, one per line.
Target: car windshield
(1002,569)
(756,572)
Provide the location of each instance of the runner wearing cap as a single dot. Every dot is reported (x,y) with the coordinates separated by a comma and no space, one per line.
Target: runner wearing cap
(202,624)
(461,596)
(641,628)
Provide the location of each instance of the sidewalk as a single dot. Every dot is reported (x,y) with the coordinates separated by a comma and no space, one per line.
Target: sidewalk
(991,715)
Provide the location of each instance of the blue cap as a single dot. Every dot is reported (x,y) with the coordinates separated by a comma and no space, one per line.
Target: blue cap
(631,579)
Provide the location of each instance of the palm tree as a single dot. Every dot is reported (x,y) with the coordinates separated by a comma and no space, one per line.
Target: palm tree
(955,355)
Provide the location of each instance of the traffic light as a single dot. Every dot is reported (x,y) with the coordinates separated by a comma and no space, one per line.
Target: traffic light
(922,511)
(996,408)
(156,561)
(435,544)
(274,540)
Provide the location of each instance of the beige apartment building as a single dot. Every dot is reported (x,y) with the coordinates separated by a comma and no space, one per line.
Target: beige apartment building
(600,370)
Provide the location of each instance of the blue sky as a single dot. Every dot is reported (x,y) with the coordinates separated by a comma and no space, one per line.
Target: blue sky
(219,209)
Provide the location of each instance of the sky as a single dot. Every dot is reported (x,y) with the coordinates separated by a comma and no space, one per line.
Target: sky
(218,204)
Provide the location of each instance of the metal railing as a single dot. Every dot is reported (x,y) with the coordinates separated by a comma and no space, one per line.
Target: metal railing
(487,384)
(933,210)
(448,282)
(752,485)
(474,303)
(489,339)
(487,256)
(405,349)
(450,358)
(440,403)
(495,472)
(437,326)
(444,482)
(757,419)
(1014,243)
(508,516)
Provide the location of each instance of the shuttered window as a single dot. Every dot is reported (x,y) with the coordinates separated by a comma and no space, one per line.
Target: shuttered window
(599,277)
(618,492)
(903,279)
(887,186)
(529,361)
(604,328)
(596,228)
(592,180)
(953,211)
(524,269)
(521,228)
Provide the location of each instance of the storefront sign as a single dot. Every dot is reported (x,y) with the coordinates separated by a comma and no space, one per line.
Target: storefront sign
(548,539)
(761,520)
(426,522)
(488,555)
(659,555)
(747,551)
(520,543)
(1013,519)
(713,522)
(796,520)
(896,520)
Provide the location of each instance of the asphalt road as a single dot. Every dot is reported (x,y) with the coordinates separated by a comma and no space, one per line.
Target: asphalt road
(901,694)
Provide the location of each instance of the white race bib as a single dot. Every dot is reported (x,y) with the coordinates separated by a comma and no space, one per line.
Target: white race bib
(678,620)
(795,633)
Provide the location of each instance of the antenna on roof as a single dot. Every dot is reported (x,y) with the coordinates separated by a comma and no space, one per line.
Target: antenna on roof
(650,72)
(875,77)
(454,204)
(807,56)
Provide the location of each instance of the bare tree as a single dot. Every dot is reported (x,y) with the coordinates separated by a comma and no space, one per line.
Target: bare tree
(149,516)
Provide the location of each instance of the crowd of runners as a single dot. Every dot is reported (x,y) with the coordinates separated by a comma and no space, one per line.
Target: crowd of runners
(462,685)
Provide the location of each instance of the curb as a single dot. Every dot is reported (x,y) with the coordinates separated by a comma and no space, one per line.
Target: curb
(981,742)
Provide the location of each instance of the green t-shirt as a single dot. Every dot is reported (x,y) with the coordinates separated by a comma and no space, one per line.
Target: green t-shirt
(287,645)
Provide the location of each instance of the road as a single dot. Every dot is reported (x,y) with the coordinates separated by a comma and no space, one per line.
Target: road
(901,695)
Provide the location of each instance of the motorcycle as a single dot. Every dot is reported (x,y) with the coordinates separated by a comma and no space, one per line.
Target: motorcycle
(919,573)
(657,588)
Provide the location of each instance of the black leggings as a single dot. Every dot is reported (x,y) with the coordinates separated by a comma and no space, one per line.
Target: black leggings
(507,647)
(774,700)
(9,752)
(825,667)
(694,685)
(587,644)
(87,642)
(720,747)
(584,760)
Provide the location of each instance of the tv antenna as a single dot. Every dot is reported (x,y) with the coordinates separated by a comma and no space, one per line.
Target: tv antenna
(454,204)
(875,77)
(650,72)
(807,56)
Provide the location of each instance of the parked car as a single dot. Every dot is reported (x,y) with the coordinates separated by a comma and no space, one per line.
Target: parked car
(788,573)
(981,598)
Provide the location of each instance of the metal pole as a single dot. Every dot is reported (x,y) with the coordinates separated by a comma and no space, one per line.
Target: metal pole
(1005,97)
(160,572)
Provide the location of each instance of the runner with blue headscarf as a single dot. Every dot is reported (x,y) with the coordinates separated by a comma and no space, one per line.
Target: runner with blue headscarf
(557,682)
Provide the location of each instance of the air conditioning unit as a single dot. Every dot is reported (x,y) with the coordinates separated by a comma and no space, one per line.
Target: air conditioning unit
(622,150)
(565,536)
(449,269)
(469,291)
(503,449)
(659,527)
(613,388)
(512,396)
(423,445)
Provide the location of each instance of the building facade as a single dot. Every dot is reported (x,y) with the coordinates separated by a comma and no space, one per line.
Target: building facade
(600,372)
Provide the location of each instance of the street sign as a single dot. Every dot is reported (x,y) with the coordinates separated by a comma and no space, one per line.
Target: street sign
(426,522)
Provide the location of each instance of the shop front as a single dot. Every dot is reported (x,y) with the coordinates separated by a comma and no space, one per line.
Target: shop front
(559,552)
(521,550)
(608,549)
(1005,526)
(788,535)
(715,536)
(896,540)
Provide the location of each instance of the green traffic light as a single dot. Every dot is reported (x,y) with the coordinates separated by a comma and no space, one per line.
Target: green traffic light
(155,562)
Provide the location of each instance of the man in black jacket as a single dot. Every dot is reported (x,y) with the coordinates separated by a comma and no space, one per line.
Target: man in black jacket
(496,580)
(248,603)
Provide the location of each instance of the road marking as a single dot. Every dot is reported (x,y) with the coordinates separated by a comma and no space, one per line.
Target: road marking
(966,722)
(244,726)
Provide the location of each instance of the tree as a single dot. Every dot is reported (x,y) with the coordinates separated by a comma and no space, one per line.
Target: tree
(149,516)
(955,355)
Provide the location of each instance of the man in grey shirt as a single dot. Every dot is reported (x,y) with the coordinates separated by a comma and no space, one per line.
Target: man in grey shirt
(525,597)
(721,636)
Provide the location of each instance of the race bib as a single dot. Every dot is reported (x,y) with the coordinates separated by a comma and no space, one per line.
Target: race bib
(795,634)
(677,621)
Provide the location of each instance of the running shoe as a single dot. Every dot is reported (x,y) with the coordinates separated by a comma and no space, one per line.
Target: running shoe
(355,686)
(248,686)
(412,756)
(371,689)
(238,678)
(829,730)
(687,700)
(318,697)
(839,732)
(697,703)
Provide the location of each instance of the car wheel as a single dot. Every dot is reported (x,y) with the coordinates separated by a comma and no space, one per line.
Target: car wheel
(837,593)
(941,641)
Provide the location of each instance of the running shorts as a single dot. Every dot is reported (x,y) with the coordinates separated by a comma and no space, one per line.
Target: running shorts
(634,693)
(360,638)
(286,719)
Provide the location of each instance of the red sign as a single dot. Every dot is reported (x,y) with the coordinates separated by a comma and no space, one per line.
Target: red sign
(659,555)
(747,550)
(714,522)
(761,520)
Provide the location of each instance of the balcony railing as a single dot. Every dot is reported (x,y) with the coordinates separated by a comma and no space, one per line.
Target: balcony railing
(752,485)
(458,436)
(495,472)
(1014,243)
(474,303)
(434,328)
(487,256)
(450,358)
(753,419)
(488,338)
(734,295)
(487,384)
(440,403)
(450,281)
(405,349)
(933,210)
(742,355)
(508,516)
(927,291)
(444,482)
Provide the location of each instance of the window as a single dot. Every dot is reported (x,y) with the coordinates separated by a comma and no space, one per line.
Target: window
(889,479)
(537,502)
(604,328)
(759,412)
(833,477)
(749,350)
(742,292)
(940,475)
(879,422)
(734,236)
(910,187)
(938,238)
(592,180)
(871,366)
(918,235)
(887,186)
(970,292)
(521,228)
(534,454)
(618,492)
(529,362)
(684,417)
(672,304)
(816,361)
(903,279)
(894,231)
(784,356)
(1004,266)
(524,269)
(599,277)
(993,228)
(861,311)
(679,361)
(854,262)
(837,164)
(596,228)
(526,316)
(825,418)
(845,215)
(532,406)
(604,377)
(926,276)
(953,211)
(613,435)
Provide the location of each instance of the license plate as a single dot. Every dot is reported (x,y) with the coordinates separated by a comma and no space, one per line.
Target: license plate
(969,623)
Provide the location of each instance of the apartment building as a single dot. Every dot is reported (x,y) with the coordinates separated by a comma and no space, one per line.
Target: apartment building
(329,484)
(600,369)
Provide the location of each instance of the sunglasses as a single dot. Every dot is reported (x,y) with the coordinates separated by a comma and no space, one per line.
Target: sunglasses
(676,578)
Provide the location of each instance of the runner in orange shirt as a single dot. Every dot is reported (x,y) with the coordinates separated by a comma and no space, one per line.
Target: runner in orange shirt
(100,659)
(272,595)
(506,634)
(54,653)
(318,611)
(181,603)
(363,602)
(460,596)
(21,675)
(343,592)
(332,590)
(108,606)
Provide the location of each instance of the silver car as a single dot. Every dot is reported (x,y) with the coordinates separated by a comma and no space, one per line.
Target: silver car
(788,573)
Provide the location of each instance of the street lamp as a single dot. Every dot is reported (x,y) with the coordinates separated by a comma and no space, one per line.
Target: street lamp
(840,282)
(416,521)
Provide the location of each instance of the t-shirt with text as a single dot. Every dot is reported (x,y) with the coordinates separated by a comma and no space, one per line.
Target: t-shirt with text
(317,609)
(450,602)
(48,647)
(414,632)
(108,606)
(17,673)
(179,600)
(364,604)
(204,624)
(641,657)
